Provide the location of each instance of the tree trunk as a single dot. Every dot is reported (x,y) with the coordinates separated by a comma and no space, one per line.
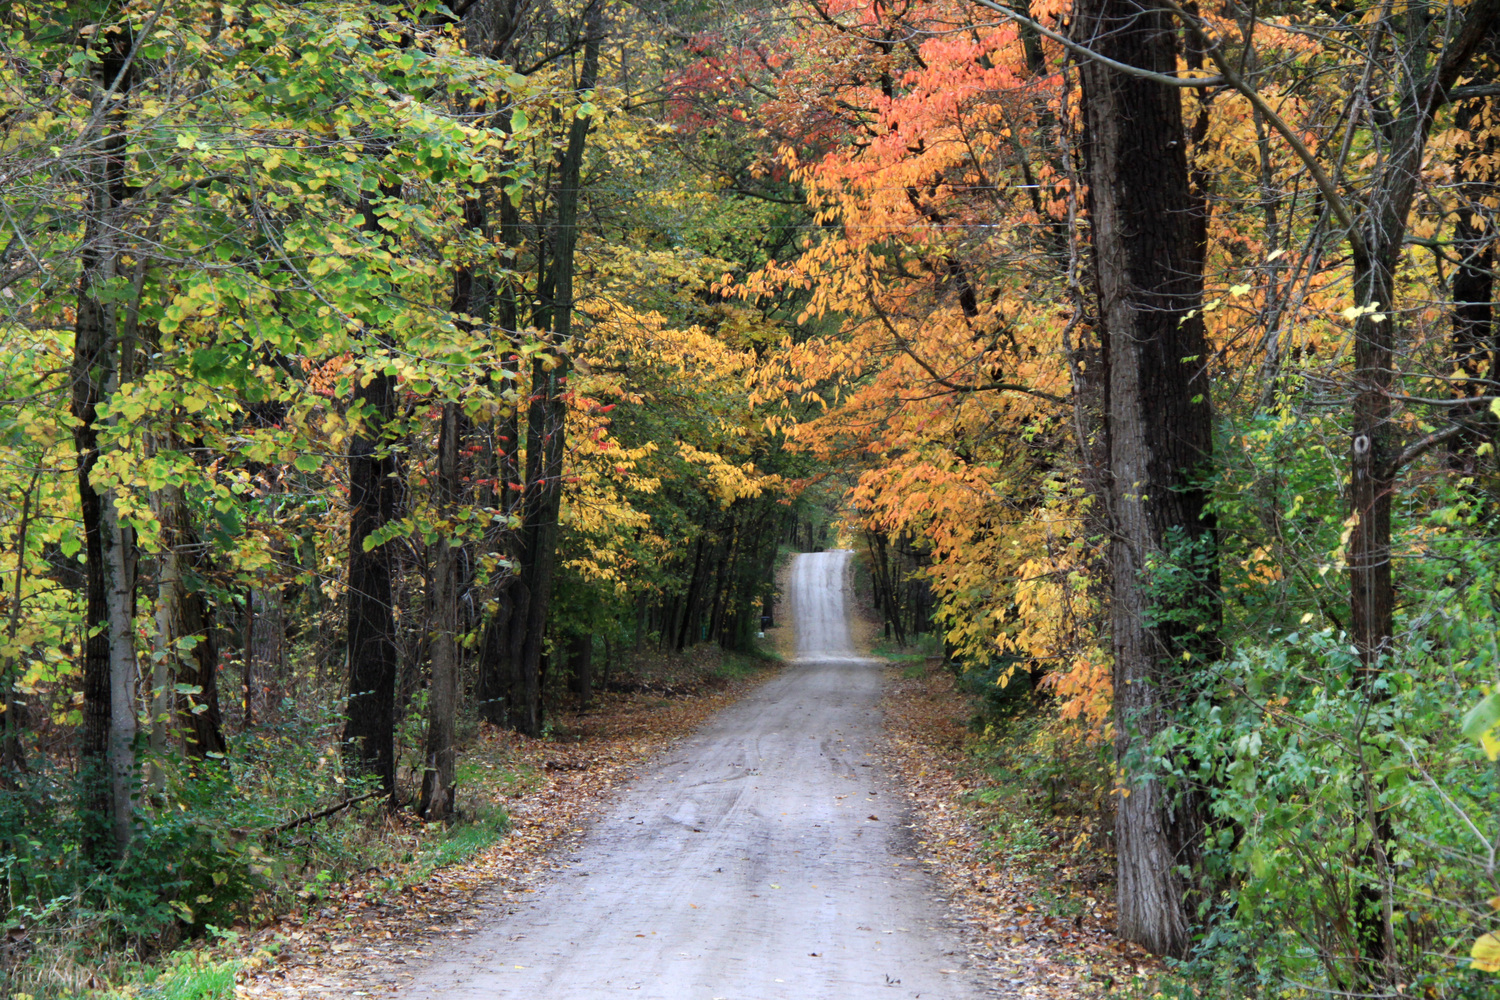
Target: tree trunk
(1164,588)
(1473,283)
(369,734)
(581,663)
(548,412)
(15,718)
(107,758)
(1375,452)
(265,651)
(501,692)
(442,693)
(374,495)
(187,651)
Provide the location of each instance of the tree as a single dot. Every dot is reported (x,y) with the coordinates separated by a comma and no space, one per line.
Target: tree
(1164,594)
(102,358)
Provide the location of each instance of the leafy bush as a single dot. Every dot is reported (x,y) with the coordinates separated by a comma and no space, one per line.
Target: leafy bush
(1339,795)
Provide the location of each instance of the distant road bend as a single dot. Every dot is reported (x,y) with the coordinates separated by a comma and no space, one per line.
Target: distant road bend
(767,858)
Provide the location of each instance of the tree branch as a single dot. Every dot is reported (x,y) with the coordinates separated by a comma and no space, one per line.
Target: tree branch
(1309,159)
(321,813)
(1185,82)
(1421,446)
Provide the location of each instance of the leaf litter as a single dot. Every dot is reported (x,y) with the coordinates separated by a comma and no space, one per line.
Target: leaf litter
(1044,928)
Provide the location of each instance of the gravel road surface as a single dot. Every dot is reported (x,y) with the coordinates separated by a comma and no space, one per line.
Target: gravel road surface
(768,857)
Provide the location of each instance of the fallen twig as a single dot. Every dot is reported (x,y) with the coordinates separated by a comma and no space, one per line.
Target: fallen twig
(321,813)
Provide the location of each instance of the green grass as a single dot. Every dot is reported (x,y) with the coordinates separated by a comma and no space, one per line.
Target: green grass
(192,980)
(463,842)
(922,647)
(480,777)
(739,666)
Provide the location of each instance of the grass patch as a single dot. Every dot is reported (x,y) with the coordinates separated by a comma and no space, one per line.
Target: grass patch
(742,666)
(461,843)
(923,647)
(193,981)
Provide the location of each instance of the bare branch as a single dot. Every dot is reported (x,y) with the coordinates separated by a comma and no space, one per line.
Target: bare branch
(1185,82)
(1421,446)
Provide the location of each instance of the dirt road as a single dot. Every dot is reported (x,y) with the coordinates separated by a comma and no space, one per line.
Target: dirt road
(767,858)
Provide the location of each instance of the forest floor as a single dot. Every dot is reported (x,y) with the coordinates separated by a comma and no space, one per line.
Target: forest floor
(1042,911)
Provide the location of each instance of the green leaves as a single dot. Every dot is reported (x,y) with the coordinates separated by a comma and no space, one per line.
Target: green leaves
(1482,723)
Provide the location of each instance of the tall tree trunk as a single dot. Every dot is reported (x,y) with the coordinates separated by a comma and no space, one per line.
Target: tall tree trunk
(369,734)
(442,693)
(1473,283)
(1149,279)
(374,495)
(501,692)
(546,420)
(1375,452)
(107,756)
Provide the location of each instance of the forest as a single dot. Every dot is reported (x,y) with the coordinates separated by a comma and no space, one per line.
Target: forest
(379,376)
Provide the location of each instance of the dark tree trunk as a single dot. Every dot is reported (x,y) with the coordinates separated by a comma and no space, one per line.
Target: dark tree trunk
(107,759)
(369,734)
(1149,279)
(546,419)
(442,693)
(1473,282)
(1375,452)
(15,719)
(374,498)
(185,617)
(502,696)
(581,664)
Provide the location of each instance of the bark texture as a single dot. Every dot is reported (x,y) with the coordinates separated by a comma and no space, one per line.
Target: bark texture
(107,758)
(187,649)
(442,692)
(374,500)
(1159,436)
(369,735)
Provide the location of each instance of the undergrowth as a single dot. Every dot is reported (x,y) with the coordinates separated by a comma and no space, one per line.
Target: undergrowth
(213,854)
(221,851)
(1040,787)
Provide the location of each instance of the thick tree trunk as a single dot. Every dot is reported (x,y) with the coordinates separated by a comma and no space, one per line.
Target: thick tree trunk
(1160,438)
(369,734)
(442,693)
(374,495)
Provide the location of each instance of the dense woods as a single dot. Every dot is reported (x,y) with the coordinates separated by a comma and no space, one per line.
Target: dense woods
(376,370)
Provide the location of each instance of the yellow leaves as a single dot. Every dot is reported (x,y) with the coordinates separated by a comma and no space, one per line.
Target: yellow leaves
(1485,954)
(729,482)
